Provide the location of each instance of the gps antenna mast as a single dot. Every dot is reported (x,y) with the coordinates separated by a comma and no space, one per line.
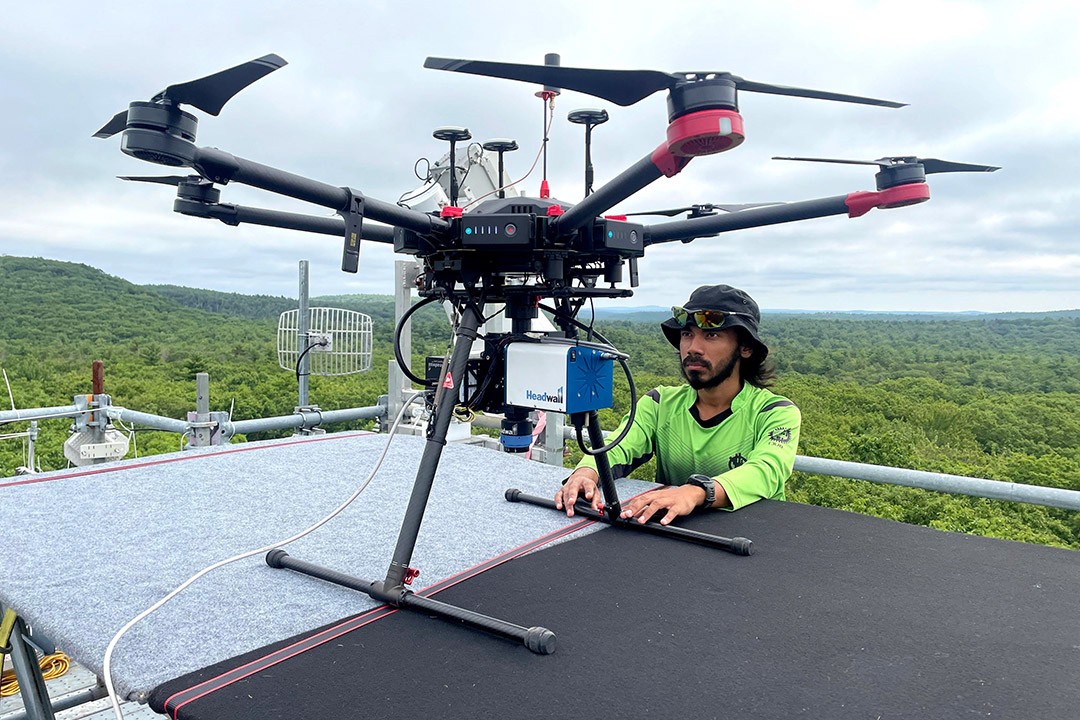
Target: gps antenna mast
(547,95)
(454,135)
(589,118)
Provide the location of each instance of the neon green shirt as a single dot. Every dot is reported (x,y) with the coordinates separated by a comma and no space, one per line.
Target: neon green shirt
(749,449)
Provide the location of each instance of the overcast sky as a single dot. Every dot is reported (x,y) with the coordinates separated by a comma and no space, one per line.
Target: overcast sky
(987,82)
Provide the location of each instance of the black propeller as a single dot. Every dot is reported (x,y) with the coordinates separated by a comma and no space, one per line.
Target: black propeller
(208,94)
(174,180)
(930,165)
(188,187)
(626,87)
(702,209)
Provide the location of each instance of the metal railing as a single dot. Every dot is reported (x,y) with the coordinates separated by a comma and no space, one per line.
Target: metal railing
(939,482)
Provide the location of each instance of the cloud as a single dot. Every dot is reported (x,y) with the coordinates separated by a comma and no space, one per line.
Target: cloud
(993,82)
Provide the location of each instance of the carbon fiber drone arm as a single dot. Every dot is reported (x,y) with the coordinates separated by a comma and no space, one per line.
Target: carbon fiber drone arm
(221,167)
(652,167)
(236,214)
(853,205)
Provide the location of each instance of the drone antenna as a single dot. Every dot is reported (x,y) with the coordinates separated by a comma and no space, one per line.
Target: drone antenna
(453,135)
(547,96)
(502,147)
(589,118)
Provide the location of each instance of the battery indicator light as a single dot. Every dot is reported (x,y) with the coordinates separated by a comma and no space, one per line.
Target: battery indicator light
(511,229)
(468,231)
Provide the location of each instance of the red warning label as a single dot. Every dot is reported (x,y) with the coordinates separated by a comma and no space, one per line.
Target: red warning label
(448,383)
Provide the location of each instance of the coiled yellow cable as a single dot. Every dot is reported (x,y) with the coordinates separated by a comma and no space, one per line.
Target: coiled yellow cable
(52,666)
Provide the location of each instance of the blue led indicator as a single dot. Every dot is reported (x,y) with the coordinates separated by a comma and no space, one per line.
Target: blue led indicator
(610,234)
(468,231)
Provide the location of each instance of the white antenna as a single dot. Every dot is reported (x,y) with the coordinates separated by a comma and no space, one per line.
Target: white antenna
(338,341)
(10,396)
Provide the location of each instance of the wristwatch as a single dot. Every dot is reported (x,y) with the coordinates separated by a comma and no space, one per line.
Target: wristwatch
(707,484)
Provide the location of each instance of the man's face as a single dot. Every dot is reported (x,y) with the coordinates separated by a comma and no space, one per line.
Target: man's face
(709,357)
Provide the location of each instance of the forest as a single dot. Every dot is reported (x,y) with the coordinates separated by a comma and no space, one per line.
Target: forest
(992,396)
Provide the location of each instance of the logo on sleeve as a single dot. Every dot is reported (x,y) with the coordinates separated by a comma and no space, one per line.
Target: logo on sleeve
(735,461)
(780,436)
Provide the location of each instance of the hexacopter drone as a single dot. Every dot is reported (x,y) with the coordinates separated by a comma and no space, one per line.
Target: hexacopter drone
(515,251)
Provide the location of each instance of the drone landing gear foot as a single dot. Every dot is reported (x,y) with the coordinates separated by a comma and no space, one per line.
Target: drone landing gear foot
(539,640)
(736,545)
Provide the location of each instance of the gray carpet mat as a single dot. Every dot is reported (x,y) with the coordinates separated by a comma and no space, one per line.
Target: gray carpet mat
(83,551)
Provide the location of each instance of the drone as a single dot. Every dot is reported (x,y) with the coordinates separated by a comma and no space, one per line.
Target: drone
(485,244)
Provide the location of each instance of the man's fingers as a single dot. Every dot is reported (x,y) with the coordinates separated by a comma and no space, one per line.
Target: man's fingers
(671,515)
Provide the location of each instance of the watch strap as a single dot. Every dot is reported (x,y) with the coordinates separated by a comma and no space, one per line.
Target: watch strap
(707,484)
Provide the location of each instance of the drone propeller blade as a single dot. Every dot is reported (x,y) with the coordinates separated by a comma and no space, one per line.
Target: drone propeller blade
(931,165)
(626,87)
(704,208)
(160,179)
(750,86)
(117,124)
(831,160)
(622,87)
(210,93)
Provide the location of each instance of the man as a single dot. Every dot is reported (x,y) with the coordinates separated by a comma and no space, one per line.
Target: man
(720,441)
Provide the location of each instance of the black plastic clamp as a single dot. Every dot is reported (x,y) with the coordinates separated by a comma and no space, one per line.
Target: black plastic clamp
(354,222)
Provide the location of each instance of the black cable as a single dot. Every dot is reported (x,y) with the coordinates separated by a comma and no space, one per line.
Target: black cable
(301,357)
(426,177)
(469,167)
(494,314)
(397,342)
(629,380)
(629,420)
(403,199)
(592,317)
(569,318)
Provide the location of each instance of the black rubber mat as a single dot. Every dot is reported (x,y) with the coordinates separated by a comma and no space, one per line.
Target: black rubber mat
(836,615)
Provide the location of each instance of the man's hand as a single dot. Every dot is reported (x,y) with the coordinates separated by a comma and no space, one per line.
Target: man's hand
(581,483)
(674,500)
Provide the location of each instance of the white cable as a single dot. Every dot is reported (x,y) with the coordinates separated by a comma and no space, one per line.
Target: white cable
(12,397)
(107,671)
(526,175)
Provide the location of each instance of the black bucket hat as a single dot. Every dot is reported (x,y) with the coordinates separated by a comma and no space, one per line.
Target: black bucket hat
(740,308)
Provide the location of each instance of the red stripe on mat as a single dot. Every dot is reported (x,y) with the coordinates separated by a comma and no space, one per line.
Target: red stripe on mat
(214,684)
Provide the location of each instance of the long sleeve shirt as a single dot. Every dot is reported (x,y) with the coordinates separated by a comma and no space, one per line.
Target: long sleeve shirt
(749,449)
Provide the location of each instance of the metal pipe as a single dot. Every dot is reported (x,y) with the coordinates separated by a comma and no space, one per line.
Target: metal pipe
(67,701)
(157,422)
(303,356)
(941,482)
(7,416)
(303,419)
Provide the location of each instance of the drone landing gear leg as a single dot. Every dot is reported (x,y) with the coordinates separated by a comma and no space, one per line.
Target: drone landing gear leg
(612,507)
(392,590)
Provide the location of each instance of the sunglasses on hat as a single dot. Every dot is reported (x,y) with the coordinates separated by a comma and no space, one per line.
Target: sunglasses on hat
(705,319)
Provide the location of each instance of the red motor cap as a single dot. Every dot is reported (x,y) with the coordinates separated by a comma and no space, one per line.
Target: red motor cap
(860,203)
(705,132)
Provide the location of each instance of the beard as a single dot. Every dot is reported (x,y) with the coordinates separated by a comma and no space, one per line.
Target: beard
(701,379)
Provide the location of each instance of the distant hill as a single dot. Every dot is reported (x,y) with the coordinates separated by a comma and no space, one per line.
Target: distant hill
(256,307)
(46,300)
(652,313)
